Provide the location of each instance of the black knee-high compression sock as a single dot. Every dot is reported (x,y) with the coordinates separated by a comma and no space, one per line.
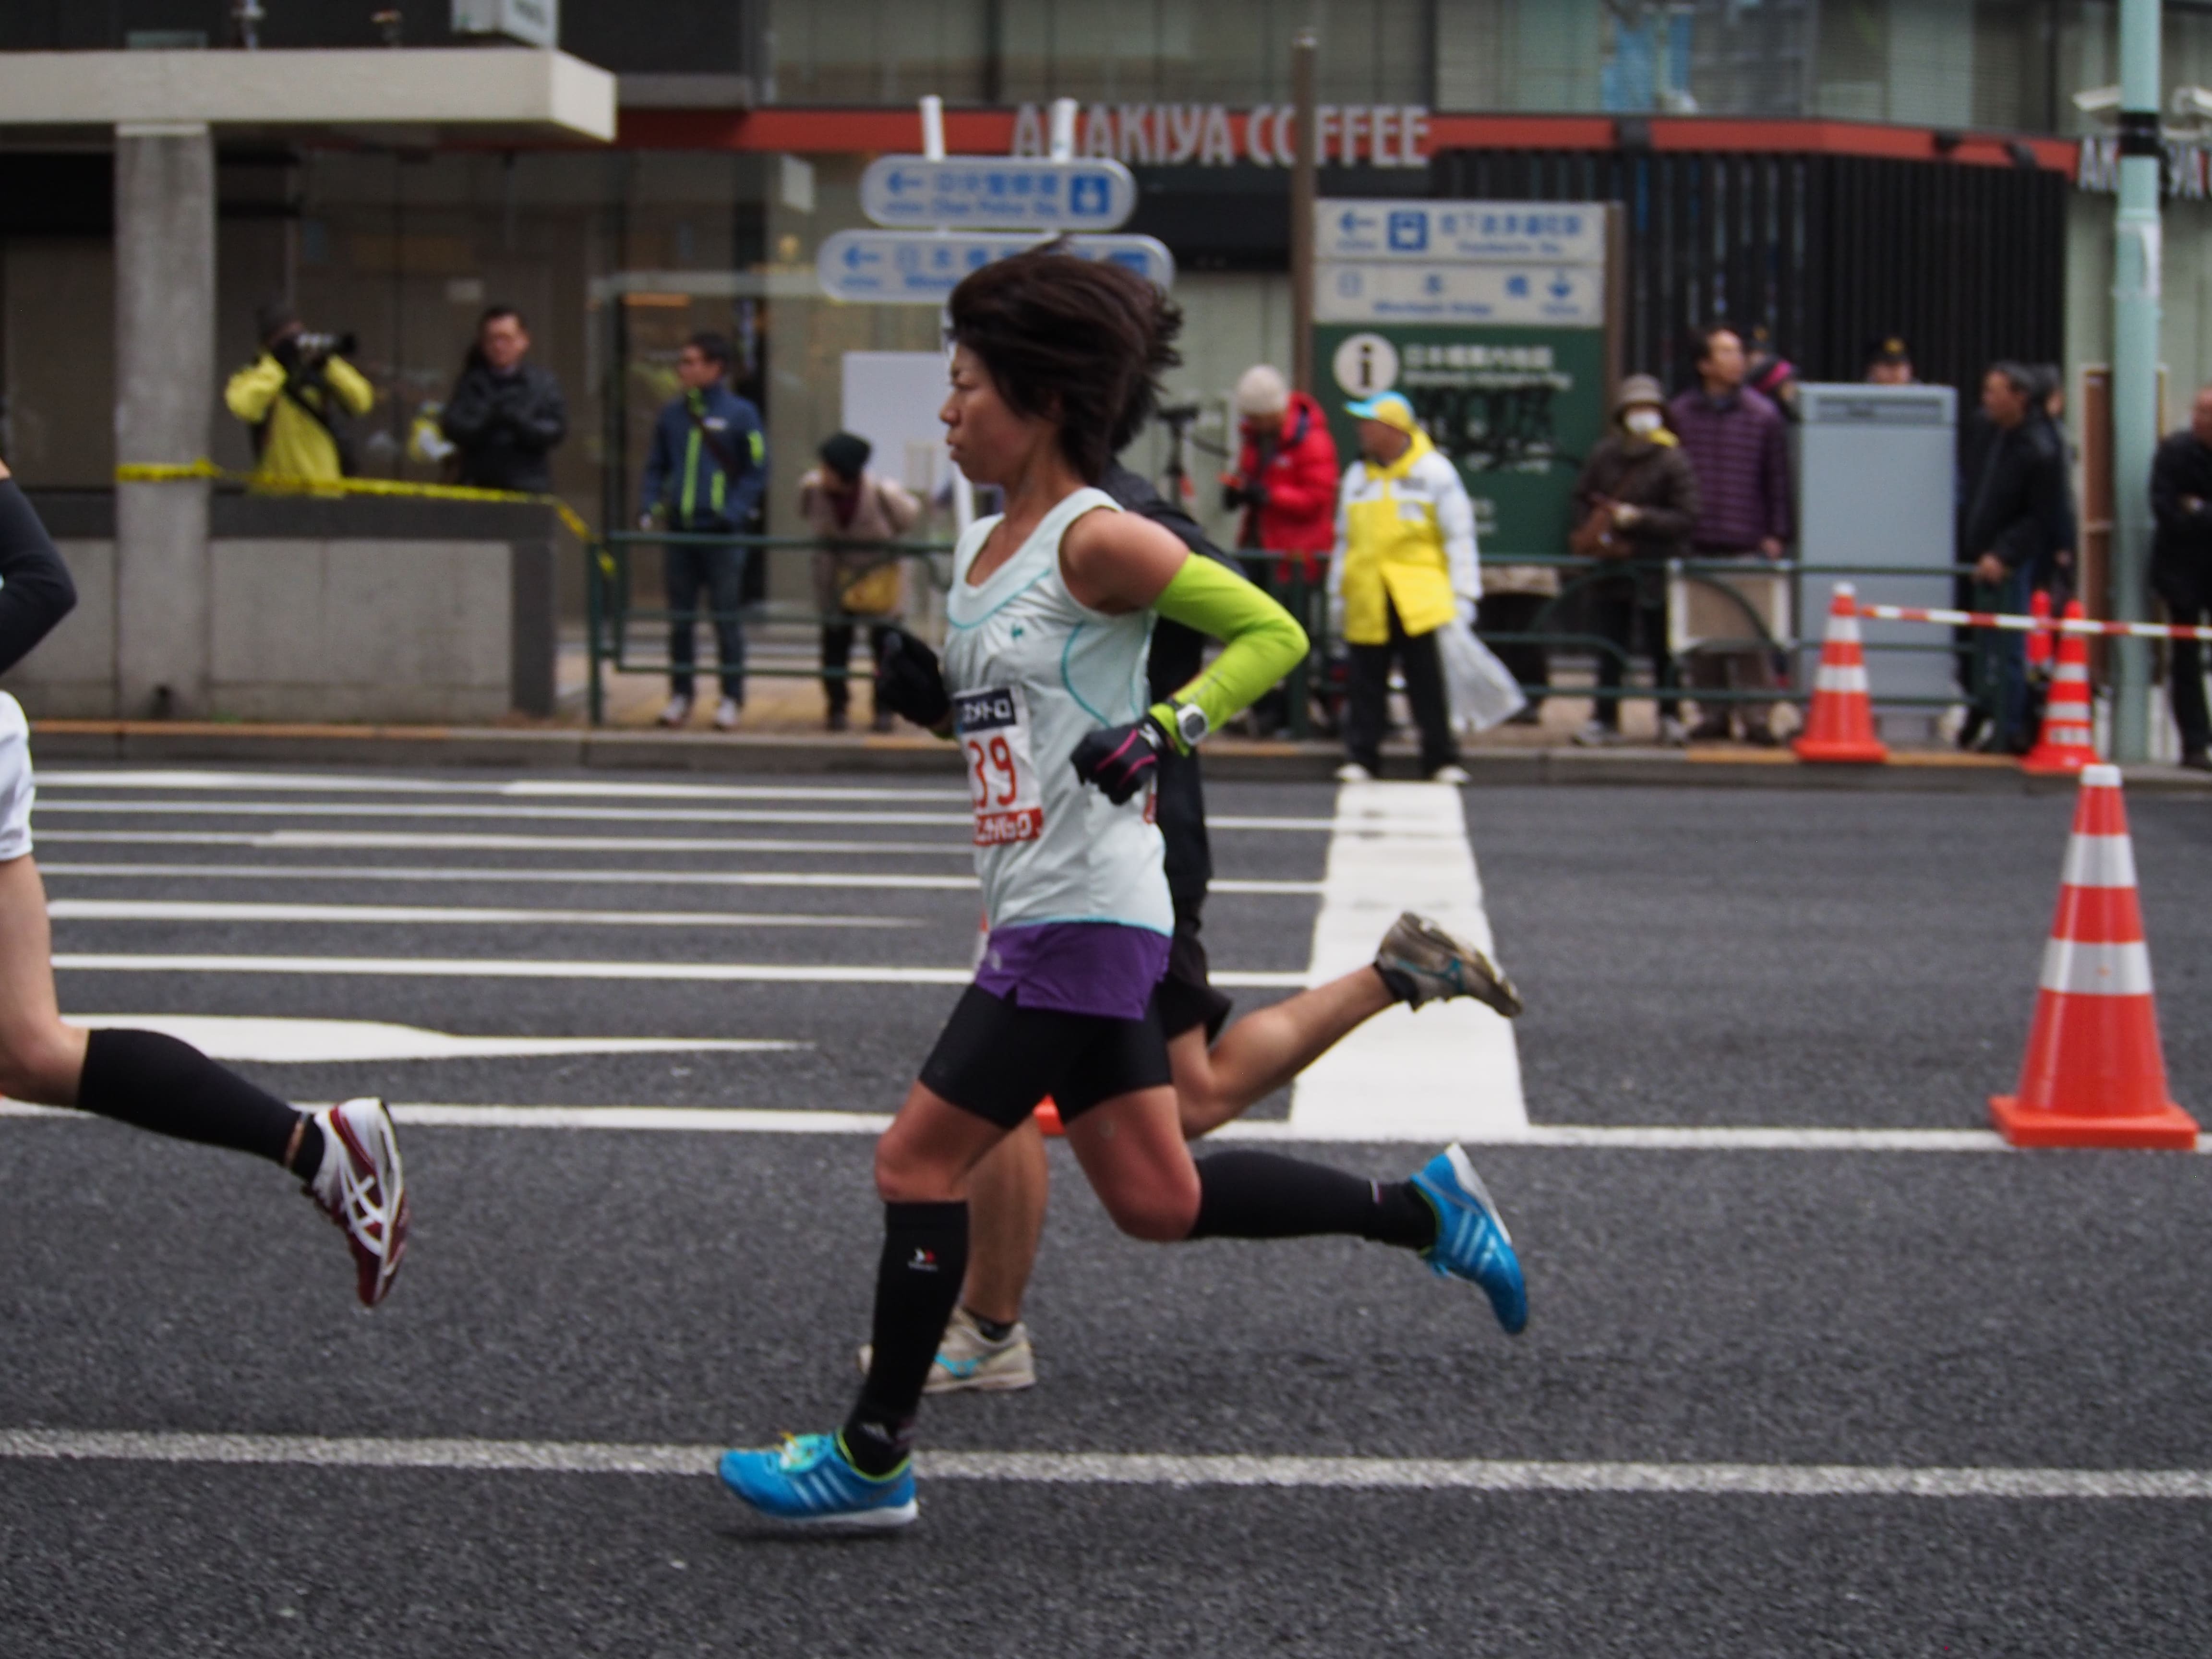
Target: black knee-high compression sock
(155,1081)
(917,1283)
(1267,1195)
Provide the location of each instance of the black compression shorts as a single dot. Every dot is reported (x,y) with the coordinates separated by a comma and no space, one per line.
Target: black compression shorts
(1186,998)
(998,1061)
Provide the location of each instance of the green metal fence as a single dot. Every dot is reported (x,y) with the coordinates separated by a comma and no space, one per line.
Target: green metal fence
(1297,581)
(612,612)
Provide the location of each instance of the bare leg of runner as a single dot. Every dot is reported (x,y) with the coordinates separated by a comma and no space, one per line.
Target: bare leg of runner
(346,1154)
(1265,1050)
(1255,1056)
(1005,1219)
(40,1058)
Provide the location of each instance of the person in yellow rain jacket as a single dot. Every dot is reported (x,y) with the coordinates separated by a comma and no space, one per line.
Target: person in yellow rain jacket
(297,396)
(1405,566)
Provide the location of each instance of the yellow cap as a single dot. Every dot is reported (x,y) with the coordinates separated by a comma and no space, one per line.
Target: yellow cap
(1388,407)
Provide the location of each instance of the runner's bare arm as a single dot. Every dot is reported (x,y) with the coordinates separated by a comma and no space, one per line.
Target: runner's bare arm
(1118,562)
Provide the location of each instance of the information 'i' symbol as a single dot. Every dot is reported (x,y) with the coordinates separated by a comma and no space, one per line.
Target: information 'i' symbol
(1364,364)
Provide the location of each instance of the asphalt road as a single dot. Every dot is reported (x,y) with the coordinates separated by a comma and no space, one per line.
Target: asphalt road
(1690,958)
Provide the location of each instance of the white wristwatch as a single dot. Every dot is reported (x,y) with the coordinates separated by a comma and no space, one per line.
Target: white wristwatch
(1191,723)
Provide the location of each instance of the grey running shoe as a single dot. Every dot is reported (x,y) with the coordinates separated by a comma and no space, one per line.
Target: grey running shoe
(1421,963)
(969,1362)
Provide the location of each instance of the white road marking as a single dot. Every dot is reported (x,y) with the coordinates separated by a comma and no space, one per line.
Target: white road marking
(82,910)
(474,1456)
(739,1119)
(366,840)
(315,783)
(763,973)
(1450,1071)
(380,809)
(271,1041)
(284,809)
(479,874)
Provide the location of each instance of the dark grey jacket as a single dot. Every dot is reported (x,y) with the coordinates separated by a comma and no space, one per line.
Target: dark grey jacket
(506,425)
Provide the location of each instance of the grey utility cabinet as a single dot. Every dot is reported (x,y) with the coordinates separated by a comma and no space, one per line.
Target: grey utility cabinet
(1876,469)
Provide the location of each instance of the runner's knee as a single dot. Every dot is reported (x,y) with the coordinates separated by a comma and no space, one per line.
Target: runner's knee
(41,1062)
(1159,1212)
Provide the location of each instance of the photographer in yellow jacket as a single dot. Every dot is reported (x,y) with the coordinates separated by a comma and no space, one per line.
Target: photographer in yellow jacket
(297,398)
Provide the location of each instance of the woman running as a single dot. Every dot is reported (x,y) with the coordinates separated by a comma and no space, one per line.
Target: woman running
(346,1155)
(1218,1073)
(1055,366)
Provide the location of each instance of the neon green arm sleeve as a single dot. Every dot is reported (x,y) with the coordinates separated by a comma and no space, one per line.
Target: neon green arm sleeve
(1261,641)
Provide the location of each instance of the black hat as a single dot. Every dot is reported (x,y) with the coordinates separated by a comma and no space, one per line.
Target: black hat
(273,317)
(1890,349)
(845,454)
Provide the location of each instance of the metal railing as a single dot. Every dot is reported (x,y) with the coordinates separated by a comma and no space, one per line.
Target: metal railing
(611,611)
(1299,582)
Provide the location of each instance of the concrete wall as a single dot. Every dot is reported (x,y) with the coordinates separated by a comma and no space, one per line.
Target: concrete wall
(447,621)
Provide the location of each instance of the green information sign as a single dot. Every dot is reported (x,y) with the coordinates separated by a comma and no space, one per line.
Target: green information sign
(1517,409)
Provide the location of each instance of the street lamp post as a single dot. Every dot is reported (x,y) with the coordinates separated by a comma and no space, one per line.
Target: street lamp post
(2135,367)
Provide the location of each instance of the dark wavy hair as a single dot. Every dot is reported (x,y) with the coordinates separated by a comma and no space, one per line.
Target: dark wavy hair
(1077,341)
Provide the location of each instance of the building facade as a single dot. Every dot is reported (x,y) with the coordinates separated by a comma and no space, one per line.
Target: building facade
(1830,171)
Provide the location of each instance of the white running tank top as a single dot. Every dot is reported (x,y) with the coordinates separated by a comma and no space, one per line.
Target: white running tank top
(1031,671)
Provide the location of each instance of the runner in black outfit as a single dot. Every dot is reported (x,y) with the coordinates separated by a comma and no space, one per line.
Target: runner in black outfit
(346,1155)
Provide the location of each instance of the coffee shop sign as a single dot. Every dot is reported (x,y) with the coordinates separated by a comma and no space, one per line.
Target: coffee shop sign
(2185,167)
(1215,136)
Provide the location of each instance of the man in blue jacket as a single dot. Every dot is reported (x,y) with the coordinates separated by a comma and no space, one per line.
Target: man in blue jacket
(704,476)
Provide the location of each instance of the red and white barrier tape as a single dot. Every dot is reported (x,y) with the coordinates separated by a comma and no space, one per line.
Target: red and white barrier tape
(2025,624)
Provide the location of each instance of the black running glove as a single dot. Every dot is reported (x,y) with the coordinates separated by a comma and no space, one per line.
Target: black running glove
(1121,759)
(909,682)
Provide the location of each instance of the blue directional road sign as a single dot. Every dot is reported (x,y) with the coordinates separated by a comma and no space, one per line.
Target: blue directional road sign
(921,267)
(997,193)
(1482,232)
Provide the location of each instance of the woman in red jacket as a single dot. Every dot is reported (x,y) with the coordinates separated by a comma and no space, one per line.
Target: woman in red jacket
(1285,481)
(1287,475)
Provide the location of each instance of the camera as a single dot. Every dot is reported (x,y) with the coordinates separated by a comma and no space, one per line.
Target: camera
(315,348)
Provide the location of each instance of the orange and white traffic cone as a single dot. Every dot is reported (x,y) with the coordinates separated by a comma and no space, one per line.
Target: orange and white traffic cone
(2093,1074)
(1840,726)
(2068,741)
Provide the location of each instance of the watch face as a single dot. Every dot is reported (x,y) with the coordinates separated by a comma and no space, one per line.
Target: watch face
(1191,722)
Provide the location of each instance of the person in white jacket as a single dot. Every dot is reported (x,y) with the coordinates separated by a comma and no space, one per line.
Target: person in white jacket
(1405,566)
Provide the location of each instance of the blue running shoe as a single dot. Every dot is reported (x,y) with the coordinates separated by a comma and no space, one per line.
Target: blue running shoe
(809,1482)
(1472,1242)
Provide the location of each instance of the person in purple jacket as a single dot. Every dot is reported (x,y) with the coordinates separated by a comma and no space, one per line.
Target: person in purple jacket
(1734,440)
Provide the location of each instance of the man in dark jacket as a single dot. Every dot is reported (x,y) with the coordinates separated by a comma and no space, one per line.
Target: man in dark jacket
(1734,440)
(1636,501)
(505,414)
(2017,521)
(2181,567)
(704,476)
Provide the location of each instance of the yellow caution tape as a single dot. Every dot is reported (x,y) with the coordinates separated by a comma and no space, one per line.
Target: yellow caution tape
(177,472)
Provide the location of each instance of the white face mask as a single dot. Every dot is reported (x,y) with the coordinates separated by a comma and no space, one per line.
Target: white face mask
(1643,421)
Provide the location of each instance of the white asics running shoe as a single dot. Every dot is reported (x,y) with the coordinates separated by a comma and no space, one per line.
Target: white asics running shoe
(969,1362)
(362,1186)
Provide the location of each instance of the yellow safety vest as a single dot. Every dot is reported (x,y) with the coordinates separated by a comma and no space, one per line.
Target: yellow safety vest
(1394,546)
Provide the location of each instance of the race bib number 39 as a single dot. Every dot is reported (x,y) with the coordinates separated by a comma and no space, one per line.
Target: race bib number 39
(1002,780)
